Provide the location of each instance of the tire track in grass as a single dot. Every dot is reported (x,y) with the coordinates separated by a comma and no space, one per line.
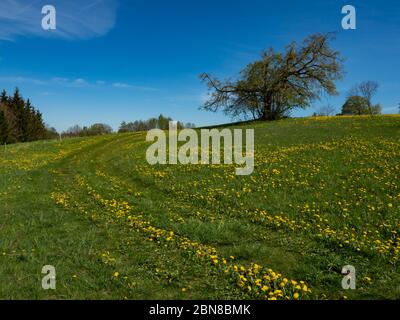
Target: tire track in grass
(255,280)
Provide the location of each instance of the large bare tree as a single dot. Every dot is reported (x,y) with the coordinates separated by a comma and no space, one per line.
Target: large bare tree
(271,87)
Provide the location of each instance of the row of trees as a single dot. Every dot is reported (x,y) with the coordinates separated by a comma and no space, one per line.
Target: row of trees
(160,123)
(19,120)
(96,129)
(100,128)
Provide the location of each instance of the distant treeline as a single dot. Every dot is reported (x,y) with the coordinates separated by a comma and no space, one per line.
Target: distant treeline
(96,129)
(153,123)
(100,128)
(20,121)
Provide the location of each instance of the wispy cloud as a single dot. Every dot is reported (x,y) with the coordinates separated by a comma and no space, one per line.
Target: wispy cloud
(76,19)
(130,86)
(17,80)
(73,83)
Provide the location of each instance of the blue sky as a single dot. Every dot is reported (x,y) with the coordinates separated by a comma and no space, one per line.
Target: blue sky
(113,60)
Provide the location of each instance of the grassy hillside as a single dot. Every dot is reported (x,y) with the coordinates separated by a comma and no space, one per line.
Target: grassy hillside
(325,193)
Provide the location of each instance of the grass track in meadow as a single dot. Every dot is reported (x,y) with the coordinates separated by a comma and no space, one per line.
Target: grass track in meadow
(324,194)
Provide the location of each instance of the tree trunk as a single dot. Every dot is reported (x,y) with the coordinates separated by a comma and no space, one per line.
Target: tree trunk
(267,109)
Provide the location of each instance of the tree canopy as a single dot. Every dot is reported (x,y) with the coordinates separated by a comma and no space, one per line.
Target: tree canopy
(359,99)
(357,105)
(19,120)
(271,87)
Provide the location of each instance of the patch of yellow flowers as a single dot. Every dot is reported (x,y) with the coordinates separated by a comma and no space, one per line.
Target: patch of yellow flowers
(255,280)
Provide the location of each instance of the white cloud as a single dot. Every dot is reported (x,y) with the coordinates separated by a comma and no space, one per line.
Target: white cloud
(130,86)
(14,79)
(120,85)
(65,82)
(71,83)
(76,19)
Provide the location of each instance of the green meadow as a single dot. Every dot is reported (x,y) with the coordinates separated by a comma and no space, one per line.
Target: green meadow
(325,193)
